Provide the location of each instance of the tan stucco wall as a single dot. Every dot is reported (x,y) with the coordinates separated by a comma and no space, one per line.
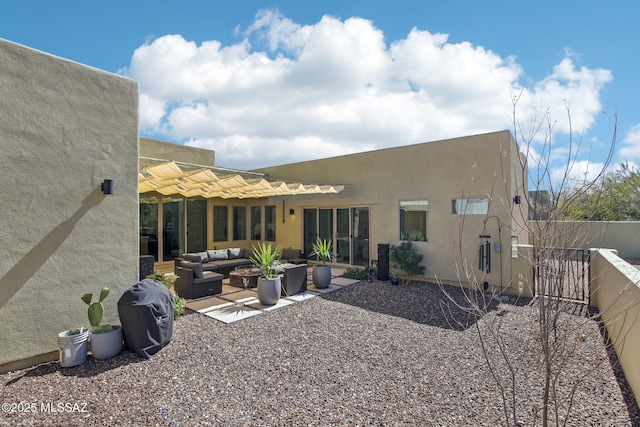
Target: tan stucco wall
(624,236)
(161,150)
(471,167)
(615,290)
(64,128)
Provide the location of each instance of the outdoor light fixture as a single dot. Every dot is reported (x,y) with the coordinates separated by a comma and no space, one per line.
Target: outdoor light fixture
(291,211)
(516,199)
(107,186)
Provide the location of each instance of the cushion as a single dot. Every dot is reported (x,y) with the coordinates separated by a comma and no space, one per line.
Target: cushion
(195,266)
(291,253)
(218,254)
(235,253)
(197,257)
(191,257)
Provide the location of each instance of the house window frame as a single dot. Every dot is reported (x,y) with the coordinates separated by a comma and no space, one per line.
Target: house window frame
(220,222)
(239,223)
(411,206)
(464,204)
(270,223)
(256,220)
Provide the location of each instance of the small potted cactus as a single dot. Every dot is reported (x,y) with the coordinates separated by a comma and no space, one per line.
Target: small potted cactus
(105,340)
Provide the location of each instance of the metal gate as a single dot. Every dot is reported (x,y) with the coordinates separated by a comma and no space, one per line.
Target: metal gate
(562,273)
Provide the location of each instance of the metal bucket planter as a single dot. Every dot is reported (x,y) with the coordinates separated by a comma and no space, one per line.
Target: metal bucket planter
(107,344)
(73,348)
(269,290)
(321,276)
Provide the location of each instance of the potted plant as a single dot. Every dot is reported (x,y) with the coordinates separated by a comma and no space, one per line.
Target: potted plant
(73,347)
(395,280)
(322,273)
(106,340)
(267,260)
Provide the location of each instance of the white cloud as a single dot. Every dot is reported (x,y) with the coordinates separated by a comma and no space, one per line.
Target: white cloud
(575,173)
(337,87)
(630,149)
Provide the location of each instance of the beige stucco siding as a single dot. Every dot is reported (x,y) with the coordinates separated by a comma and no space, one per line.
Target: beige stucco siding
(64,128)
(480,166)
(153,149)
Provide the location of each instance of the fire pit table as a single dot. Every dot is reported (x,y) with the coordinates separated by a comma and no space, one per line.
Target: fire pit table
(238,277)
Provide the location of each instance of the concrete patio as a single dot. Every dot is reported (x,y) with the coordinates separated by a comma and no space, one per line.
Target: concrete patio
(235,304)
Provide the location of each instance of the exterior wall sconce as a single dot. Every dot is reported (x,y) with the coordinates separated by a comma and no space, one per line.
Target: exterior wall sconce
(107,186)
(291,211)
(516,199)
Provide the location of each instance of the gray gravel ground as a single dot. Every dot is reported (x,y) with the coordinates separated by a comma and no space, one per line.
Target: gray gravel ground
(370,354)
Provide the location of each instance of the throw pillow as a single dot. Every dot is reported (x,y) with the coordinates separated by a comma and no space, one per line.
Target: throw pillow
(218,254)
(192,257)
(195,266)
(235,253)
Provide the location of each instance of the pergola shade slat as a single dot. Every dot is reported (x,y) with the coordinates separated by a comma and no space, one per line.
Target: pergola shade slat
(168,179)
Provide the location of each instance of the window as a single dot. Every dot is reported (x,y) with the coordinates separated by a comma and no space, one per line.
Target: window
(196,225)
(239,223)
(270,223)
(470,206)
(256,223)
(149,226)
(220,216)
(413,220)
(172,227)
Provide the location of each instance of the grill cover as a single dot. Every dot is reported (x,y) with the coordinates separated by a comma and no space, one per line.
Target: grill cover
(146,315)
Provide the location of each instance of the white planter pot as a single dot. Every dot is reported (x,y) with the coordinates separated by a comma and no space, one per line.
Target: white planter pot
(107,344)
(321,276)
(269,290)
(73,348)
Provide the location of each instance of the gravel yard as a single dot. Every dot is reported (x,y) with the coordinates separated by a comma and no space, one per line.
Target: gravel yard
(370,354)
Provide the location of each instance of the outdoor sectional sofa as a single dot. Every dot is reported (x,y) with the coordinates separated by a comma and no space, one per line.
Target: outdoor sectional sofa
(222,261)
(200,274)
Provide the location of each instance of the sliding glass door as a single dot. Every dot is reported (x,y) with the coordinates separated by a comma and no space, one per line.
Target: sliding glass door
(346,228)
(310,233)
(196,225)
(343,233)
(360,241)
(171,226)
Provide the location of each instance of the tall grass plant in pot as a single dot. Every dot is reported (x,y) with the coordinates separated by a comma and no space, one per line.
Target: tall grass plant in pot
(267,259)
(321,275)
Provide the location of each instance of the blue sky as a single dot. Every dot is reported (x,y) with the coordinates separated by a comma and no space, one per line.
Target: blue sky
(271,82)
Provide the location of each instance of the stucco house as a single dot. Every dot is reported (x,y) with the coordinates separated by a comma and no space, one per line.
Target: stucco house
(372,198)
(65,128)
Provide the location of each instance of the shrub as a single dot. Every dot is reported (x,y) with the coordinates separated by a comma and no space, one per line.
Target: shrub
(168,280)
(406,259)
(356,273)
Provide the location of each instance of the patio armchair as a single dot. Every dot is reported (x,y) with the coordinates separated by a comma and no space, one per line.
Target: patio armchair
(294,280)
(193,282)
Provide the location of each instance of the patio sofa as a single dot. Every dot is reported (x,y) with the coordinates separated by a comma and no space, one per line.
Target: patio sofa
(292,256)
(221,261)
(224,261)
